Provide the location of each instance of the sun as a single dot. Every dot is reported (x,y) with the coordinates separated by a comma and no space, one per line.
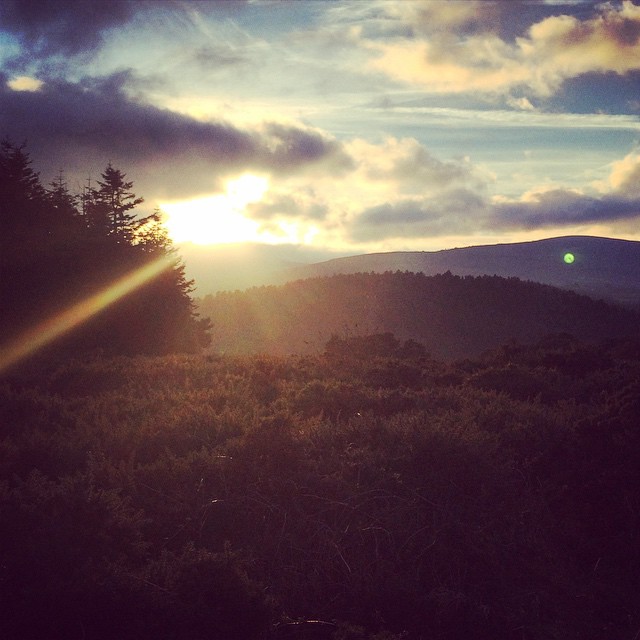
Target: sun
(246,189)
(217,219)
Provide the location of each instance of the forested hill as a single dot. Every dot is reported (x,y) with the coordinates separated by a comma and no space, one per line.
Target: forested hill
(605,268)
(453,316)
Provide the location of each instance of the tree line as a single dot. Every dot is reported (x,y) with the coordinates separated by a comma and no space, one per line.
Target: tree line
(58,247)
(452,316)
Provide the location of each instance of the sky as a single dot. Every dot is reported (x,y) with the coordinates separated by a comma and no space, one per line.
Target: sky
(338,127)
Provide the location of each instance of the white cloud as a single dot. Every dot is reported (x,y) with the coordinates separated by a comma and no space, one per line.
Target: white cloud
(523,104)
(406,165)
(625,176)
(397,193)
(613,201)
(553,50)
(25,83)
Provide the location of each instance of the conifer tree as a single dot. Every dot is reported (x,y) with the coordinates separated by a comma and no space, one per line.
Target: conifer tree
(151,235)
(114,200)
(22,199)
(171,301)
(61,199)
(26,233)
(53,255)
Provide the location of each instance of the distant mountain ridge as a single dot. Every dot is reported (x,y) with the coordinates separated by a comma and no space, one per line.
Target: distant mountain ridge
(602,267)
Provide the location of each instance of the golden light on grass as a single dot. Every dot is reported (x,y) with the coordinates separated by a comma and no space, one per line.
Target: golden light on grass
(47,331)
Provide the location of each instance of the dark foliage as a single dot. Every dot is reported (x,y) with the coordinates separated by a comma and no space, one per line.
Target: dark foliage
(452,316)
(373,489)
(58,249)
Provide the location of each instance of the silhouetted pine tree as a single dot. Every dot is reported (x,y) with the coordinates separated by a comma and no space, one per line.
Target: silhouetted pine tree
(61,199)
(25,232)
(169,294)
(53,255)
(22,200)
(111,205)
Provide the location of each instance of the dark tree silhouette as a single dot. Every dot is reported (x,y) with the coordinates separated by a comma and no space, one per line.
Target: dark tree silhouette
(22,199)
(54,255)
(111,205)
(61,199)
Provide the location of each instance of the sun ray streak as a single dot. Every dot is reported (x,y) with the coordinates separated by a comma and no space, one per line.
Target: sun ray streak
(47,331)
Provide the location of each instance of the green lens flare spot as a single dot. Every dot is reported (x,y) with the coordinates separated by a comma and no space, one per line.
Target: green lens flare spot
(569,258)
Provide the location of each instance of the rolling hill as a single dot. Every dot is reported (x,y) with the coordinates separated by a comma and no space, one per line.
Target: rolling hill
(453,316)
(602,267)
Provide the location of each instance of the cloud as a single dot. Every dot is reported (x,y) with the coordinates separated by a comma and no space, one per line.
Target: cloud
(407,164)
(428,18)
(75,125)
(625,176)
(291,148)
(66,27)
(563,207)
(94,121)
(24,83)
(558,47)
(55,36)
(616,199)
(522,104)
(463,210)
(301,204)
(219,56)
(419,194)
(454,211)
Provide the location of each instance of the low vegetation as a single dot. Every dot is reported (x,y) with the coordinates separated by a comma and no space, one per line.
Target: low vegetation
(370,486)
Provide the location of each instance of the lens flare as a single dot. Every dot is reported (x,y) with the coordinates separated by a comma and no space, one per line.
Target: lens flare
(569,258)
(45,332)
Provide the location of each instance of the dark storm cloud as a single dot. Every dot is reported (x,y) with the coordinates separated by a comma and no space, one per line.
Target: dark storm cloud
(508,20)
(75,125)
(66,27)
(95,114)
(464,211)
(560,207)
(292,147)
(46,28)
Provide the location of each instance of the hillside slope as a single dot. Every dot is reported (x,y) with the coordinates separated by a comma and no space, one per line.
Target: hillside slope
(452,316)
(602,267)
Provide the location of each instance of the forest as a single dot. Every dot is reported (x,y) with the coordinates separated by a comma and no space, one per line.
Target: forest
(452,316)
(371,486)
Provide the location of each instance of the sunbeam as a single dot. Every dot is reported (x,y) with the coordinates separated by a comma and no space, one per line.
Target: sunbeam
(45,332)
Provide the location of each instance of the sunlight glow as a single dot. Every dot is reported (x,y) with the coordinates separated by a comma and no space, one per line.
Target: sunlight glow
(218,219)
(24,83)
(52,328)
